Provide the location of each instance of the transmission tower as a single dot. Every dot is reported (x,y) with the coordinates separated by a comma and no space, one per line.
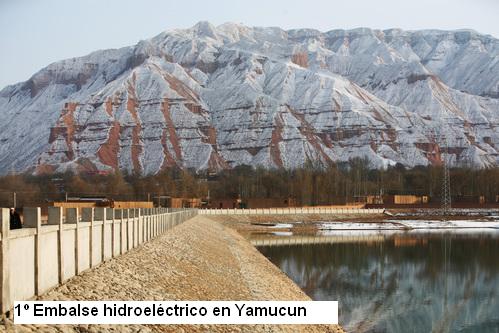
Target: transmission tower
(446,196)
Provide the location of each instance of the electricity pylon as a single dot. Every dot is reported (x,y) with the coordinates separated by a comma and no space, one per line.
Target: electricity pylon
(446,204)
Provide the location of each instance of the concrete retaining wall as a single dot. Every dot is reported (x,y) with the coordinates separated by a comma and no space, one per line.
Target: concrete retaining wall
(290,210)
(40,257)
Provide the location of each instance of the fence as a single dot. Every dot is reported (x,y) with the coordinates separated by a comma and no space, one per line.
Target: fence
(40,257)
(290,210)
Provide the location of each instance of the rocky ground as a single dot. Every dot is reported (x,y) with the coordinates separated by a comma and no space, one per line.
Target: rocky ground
(201,259)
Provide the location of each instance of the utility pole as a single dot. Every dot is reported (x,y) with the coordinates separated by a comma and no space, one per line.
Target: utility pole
(14,199)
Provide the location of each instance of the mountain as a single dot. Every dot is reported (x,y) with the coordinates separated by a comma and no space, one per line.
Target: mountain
(216,97)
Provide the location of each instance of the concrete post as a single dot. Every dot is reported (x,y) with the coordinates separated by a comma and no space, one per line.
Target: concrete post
(140,227)
(88,216)
(136,228)
(4,257)
(149,224)
(144,234)
(73,218)
(102,216)
(144,225)
(33,219)
(55,218)
(158,219)
(154,224)
(113,239)
(121,231)
(133,227)
(143,215)
(137,216)
(128,211)
(138,212)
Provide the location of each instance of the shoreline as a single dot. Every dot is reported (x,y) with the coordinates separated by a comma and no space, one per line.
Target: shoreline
(319,224)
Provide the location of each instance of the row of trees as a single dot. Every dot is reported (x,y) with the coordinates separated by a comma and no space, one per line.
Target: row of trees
(309,185)
(313,185)
(25,190)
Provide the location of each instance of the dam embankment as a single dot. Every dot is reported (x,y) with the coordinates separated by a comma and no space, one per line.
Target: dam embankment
(200,259)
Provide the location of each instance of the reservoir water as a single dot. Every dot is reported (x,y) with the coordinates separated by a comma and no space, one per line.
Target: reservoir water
(398,281)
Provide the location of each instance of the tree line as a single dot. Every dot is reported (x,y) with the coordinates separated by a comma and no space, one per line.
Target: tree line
(308,185)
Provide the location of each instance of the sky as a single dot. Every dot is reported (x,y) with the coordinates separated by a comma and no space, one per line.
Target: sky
(35,33)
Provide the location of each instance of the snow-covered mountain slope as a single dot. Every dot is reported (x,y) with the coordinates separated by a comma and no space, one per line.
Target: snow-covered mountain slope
(216,97)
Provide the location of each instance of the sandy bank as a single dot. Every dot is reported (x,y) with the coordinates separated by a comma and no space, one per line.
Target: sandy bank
(246,225)
(199,260)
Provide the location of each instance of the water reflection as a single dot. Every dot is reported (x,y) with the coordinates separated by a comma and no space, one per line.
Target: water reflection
(438,282)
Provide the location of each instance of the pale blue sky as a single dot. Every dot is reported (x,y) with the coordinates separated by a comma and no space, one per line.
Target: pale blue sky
(34,33)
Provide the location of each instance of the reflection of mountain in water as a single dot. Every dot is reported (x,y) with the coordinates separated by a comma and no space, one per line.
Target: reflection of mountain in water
(440,283)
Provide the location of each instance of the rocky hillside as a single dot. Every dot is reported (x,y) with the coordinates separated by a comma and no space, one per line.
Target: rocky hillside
(216,97)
